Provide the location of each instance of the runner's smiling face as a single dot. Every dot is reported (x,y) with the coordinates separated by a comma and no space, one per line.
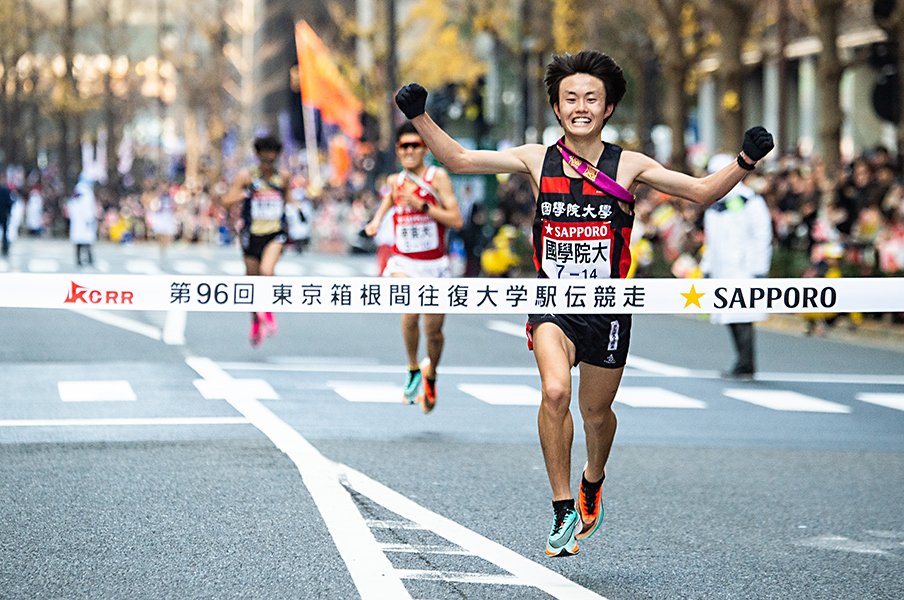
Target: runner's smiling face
(582,108)
(411,150)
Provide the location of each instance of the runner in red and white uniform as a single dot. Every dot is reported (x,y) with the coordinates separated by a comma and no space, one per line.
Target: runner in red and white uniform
(425,206)
(580,232)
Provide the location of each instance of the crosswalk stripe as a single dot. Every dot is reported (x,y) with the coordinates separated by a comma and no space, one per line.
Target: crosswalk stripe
(655,397)
(96,391)
(233,267)
(190,267)
(43,265)
(289,269)
(786,401)
(142,266)
(895,401)
(508,395)
(367,391)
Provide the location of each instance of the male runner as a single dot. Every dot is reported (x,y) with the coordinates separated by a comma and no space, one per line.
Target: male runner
(425,206)
(584,90)
(264,192)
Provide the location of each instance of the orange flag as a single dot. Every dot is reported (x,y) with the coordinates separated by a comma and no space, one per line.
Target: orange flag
(322,86)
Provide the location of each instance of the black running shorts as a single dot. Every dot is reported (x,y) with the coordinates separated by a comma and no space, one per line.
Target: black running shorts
(253,245)
(599,340)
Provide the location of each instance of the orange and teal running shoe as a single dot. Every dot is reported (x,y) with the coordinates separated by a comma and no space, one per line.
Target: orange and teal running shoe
(590,506)
(565,525)
(427,400)
(412,387)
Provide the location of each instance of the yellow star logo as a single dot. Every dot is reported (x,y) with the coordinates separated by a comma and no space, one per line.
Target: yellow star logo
(693,297)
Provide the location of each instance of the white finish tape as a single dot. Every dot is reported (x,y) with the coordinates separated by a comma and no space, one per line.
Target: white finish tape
(447,296)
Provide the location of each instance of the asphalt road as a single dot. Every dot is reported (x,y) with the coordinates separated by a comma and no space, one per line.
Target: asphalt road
(132,468)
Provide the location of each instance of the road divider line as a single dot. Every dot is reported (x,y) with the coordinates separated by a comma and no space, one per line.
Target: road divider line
(371,571)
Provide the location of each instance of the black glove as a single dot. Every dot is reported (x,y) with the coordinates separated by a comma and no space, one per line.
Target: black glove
(757,143)
(412,100)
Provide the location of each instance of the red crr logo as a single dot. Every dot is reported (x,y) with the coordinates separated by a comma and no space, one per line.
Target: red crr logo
(79,294)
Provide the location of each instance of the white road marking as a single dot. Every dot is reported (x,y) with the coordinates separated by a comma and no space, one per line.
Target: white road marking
(786,400)
(655,397)
(256,388)
(332,365)
(289,269)
(508,328)
(895,401)
(43,265)
(652,366)
(458,577)
(424,549)
(96,391)
(331,269)
(367,391)
(839,543)
(142,266)
(525,571)
(371,572)
(233,267)
(500,394)
(190,267)
(123,422)
(174,327)
(111,318)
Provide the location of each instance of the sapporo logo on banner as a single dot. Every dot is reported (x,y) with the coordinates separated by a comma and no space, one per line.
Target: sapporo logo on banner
(79,294)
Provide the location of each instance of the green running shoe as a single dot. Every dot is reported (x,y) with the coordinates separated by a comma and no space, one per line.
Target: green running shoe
(412,387)
(561,540)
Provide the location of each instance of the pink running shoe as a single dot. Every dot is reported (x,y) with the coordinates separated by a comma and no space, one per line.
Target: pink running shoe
(269,321)
(257,334)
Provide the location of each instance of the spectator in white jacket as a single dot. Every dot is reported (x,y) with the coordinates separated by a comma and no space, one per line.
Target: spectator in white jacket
(737,245)
(83,221)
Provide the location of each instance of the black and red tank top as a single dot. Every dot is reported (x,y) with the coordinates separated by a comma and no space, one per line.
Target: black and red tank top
(417,234)
(580,232)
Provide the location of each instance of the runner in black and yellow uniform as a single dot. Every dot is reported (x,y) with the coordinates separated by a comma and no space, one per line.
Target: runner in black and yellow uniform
(264,192)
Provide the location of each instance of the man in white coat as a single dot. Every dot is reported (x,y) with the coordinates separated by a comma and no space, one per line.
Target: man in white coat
(83,220)
(737,244)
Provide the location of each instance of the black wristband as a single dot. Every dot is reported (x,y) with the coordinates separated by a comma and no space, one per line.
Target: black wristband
(745,165)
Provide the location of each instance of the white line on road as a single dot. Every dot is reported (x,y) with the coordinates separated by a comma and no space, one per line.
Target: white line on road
(786,400)
(895,401)
(655,397)
(367,391)
(112,422)
(458,577)
(500,394)
(174,327)
(526,571)
(110,318)
(368,566)
(96,391)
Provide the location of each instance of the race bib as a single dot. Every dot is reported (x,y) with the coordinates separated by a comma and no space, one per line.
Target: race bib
(267,205)
(577,250)
(416,232)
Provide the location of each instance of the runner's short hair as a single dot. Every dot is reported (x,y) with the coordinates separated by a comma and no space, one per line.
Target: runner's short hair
(267,143)
(406,128)
(591,62)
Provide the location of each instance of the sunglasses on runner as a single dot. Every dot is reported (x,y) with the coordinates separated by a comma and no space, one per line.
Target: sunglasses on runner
(410,146)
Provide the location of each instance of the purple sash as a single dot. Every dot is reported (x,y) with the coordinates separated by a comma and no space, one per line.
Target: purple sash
(600,180)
